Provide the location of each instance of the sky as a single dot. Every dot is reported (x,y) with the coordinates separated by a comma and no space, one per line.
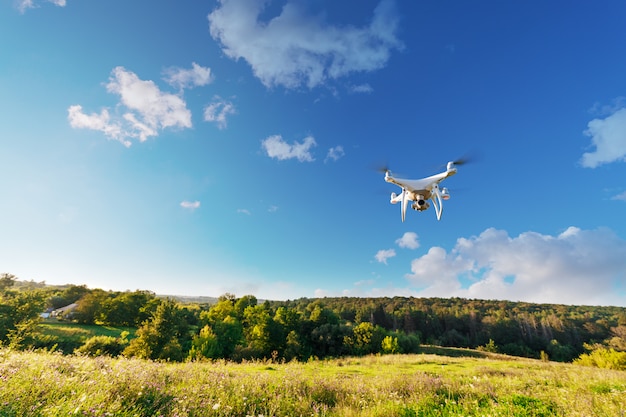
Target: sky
(230,146)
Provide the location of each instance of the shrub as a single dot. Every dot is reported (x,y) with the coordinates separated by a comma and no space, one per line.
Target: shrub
(103,345)
(603,358)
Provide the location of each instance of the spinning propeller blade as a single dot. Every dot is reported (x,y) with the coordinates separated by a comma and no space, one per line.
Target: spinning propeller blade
(383,169)
(463,161)
(469,157)
(404,204)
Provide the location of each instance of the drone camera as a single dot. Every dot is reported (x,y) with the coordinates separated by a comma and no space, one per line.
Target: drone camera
(420,205)
(445,194)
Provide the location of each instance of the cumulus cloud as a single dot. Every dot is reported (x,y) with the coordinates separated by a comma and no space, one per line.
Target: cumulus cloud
(181,78)
(334,153)
(277,148)
(218,110)
(408,241)
(574,267)
(190,205)
(97,121)
(295,48)
(146,110)
(608,136)
(23,5)
(384,254)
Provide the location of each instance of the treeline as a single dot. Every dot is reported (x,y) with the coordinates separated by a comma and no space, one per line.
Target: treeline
(242,328)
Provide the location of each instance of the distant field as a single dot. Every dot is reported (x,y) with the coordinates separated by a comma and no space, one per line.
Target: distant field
(48,384)
(67,336)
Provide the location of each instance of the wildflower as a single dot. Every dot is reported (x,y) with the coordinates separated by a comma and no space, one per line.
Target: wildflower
(216,406)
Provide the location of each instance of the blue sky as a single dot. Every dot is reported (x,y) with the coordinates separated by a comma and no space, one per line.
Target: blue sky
(199,148)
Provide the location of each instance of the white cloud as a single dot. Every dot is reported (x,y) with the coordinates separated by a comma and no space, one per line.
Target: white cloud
(362,88)
(218,110)
(95,121)
(621,196)
(180,78)
(408,241)
(334,153)
(191,205)
(608,136)
(276,147)
(295,49)
(23,5)
(244,211)
(384,254)
(574,267)
(147,110)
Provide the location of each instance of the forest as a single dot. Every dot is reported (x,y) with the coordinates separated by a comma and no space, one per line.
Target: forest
(242,328)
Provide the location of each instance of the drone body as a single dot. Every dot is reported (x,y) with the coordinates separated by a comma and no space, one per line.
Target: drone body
(422,190)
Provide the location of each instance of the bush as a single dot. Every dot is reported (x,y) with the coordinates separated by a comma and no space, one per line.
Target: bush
(103,345)
(603,358)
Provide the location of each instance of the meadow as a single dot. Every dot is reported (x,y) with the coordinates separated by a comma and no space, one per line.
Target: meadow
(66,336)
(479,384)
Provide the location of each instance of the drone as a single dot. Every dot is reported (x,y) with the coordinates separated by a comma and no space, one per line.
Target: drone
(422,190)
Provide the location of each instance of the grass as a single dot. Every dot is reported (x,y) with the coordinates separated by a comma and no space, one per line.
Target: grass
(79,332)
(66,337)
(50,384)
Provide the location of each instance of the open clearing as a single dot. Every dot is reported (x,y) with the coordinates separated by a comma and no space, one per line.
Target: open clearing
(50,384)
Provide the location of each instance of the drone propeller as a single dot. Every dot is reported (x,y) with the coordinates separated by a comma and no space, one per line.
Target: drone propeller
(461,161)
(469,157)
(383,169)
(405,202)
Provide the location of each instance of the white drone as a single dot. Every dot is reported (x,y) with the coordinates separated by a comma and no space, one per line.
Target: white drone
(422,190)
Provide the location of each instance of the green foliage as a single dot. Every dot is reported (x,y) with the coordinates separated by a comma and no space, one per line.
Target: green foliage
(103,345)
(161,337)
(115,308)
(489,347)
(241,328)
(205,345)
(365,339)
(19,313)
(390,345)
(602,357)
(7,281)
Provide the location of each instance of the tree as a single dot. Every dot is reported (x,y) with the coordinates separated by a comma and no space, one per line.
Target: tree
(127,308)
(19,313)
(161,337)
(390,345)
(90,307)
(205,345)
(257,330)
(7,281)
(365,339)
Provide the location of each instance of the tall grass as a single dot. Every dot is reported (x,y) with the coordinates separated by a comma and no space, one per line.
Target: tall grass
(50,384)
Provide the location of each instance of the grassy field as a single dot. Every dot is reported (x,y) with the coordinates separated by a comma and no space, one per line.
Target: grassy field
(79,331)
(66,336)
(50,384)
